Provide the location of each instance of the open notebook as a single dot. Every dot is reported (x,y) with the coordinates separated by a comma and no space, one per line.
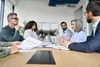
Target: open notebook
(30,43)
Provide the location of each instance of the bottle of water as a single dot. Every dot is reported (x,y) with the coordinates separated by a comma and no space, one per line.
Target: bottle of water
(39,36)
(57,39)
(48,38)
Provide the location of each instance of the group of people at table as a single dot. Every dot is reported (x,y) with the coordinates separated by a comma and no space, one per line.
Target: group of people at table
(77,41)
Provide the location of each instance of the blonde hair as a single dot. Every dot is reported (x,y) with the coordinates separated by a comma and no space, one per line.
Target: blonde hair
(78,25)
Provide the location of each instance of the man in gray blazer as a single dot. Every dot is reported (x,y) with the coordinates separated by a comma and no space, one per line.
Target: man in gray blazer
(93,43)
(4,50)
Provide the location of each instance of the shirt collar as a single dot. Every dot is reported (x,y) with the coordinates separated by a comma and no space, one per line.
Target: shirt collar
(65,30)
(95,25)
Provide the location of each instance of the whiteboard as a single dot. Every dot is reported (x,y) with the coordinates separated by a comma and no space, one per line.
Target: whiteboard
(54,26)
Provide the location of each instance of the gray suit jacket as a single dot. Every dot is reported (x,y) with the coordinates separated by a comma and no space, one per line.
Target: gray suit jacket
(4,51)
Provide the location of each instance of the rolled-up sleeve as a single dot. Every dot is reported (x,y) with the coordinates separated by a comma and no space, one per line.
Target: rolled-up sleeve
(4,51)
(5,44)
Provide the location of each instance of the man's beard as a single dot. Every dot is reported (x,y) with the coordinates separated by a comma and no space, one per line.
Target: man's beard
(89,20)
(64,29)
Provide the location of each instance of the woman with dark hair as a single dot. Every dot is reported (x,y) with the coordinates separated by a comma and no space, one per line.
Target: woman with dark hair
(30,30)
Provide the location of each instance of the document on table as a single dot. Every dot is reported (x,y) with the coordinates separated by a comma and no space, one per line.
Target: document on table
(26,50)
(60,48)
(29,43)
(47,44)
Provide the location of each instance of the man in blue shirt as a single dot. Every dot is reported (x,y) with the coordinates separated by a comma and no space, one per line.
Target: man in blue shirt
(66,32)
(10,32)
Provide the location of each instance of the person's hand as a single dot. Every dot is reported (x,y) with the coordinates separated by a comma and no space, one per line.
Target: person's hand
(41,39)
(61,39)
(17,27)
(56,33)
(13,49)
(66,42)
(68,39)
(15,43)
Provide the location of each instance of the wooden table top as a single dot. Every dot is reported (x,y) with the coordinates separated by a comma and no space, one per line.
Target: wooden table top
(62,58)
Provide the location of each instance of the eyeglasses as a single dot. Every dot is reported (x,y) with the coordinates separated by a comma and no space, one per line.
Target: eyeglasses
(85,13)
(15,18)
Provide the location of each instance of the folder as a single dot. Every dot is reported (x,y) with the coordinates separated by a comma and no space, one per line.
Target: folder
(42,57)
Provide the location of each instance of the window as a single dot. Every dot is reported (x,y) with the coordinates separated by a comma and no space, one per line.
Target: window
(2,2)
(47,27)
(7,10)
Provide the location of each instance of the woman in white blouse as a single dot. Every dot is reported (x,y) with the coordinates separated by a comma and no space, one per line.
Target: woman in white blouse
(30,30)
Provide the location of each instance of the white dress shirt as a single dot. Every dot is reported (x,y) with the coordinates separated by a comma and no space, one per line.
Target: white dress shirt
(30,33)
(94,27)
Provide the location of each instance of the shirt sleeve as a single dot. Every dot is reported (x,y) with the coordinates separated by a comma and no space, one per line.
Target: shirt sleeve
(68,45)
(4,51)
(5,44)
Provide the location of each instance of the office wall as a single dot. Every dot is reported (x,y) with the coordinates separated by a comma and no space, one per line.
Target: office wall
(78,14)
(41,12)
(83,3)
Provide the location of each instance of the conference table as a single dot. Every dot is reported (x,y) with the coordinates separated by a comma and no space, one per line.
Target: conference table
(63,58)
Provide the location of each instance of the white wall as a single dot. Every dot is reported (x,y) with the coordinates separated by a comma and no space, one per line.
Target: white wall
(78,14)
(41,12)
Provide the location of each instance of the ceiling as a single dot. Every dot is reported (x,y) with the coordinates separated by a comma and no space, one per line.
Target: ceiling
(54,3)
(61,2)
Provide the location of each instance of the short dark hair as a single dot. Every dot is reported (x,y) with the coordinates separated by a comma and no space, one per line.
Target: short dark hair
(30,24)
(11,14)
(63,23)
(94,7)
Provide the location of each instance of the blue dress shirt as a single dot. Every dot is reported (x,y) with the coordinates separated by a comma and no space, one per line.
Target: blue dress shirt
(79,37)
(66,34)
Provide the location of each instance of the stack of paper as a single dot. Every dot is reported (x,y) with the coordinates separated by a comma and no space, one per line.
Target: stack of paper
(30,43)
